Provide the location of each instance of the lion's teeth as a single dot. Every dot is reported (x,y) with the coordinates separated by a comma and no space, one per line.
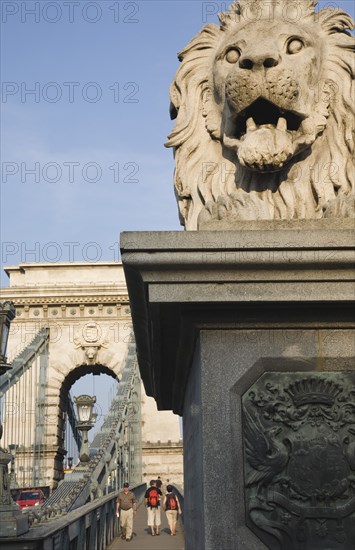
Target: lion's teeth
(282,124)
(251,124)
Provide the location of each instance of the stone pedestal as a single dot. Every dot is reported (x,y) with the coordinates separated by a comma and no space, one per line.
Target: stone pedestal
(248,335)
(12,522)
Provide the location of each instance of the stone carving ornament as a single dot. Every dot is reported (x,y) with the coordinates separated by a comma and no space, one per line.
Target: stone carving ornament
(299,459)
(264,108)
(90,340)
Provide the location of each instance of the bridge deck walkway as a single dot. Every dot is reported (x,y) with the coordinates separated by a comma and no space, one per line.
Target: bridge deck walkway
(143,540)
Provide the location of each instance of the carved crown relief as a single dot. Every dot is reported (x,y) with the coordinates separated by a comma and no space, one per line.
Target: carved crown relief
(299,457)
(90,339)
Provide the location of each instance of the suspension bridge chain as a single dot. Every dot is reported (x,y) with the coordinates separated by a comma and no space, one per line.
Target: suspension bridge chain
(73,421)
(88,481)
(24,360)
(30,367)
(20,387)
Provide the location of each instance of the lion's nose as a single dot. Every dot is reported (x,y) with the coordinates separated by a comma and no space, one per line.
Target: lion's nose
(256,61)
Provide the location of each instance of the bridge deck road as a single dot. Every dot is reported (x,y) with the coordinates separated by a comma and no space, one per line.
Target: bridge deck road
(143,540)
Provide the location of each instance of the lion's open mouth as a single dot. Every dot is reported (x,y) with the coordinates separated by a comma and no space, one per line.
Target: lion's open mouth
(265,136)
(264,113)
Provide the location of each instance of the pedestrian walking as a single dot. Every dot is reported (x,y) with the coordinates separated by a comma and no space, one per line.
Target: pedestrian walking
(126,508)
(152,502)
(172,508)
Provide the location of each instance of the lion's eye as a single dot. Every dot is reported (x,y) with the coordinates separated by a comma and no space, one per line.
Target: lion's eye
(295,45)
(232,55)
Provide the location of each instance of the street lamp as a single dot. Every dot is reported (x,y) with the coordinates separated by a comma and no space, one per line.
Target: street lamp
(12,521)
(85,407)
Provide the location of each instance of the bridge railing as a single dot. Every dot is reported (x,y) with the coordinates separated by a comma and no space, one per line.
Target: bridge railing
(91,527)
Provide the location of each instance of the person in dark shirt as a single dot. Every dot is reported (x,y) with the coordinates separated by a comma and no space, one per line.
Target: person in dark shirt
(152,502)
(172,508)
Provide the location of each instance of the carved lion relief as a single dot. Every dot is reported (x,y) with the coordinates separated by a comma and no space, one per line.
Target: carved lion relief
(264,108)
(90,340)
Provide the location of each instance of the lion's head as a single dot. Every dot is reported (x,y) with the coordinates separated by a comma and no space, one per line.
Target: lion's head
(264,104)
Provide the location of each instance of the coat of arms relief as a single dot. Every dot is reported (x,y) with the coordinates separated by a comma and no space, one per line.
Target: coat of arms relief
(299,460)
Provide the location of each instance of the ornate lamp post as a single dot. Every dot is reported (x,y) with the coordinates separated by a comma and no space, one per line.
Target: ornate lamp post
(85,407)
(12,521)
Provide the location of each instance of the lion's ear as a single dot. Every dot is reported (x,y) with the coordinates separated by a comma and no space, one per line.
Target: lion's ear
(337,24)
(334,20)
(189,86)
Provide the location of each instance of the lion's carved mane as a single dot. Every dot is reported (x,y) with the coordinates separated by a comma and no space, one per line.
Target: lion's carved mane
(255,138)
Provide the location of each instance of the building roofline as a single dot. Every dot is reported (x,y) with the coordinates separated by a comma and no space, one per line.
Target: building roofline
(52,265)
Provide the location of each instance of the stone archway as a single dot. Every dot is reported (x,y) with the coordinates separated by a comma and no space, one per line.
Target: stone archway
(73,376)
(86,308)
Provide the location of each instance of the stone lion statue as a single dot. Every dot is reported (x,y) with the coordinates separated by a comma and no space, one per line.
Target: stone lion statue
(264,108)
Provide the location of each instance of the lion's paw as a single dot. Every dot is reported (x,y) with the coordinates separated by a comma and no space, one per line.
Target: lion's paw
(248,206)
(239,206)
(341,207)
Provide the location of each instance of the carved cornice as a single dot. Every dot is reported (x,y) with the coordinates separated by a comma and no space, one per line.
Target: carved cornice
(67,300)
(73,308)
(146,445)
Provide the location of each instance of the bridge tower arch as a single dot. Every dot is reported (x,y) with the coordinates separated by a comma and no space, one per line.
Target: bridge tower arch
(83,312)
(65,414)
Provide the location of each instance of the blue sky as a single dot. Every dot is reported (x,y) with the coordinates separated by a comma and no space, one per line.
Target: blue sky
(130,64)
(94,129)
